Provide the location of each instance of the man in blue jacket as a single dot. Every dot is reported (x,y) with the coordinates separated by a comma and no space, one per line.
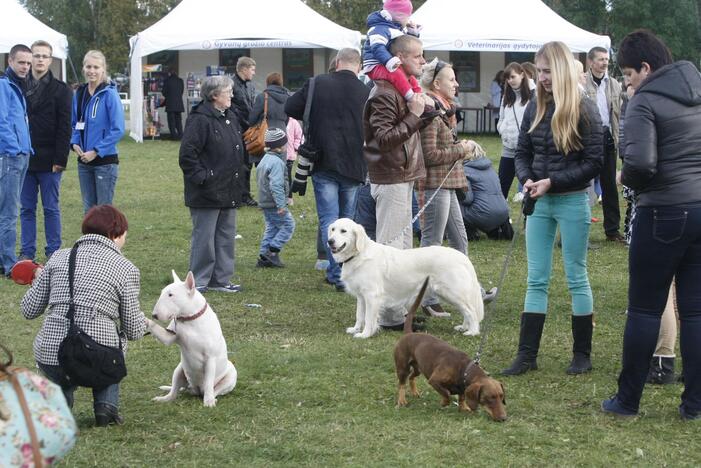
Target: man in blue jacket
(15,149)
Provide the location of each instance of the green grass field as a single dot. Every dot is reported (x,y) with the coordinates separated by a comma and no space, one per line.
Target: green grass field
(308,394)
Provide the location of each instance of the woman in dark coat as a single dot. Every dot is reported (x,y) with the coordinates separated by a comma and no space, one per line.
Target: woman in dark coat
(662,163)
(277,97)
(211,158)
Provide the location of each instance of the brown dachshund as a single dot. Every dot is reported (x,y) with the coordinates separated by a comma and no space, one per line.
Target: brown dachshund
(447,369)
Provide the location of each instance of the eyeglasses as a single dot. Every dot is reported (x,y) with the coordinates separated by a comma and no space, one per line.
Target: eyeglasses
(41,56)
(439,66)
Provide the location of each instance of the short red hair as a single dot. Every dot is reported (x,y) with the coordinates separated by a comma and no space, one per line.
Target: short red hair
(105,220)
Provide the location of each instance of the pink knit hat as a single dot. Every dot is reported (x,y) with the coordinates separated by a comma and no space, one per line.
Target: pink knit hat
(399,6)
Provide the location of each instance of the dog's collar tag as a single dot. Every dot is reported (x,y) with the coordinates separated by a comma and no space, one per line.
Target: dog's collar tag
(193,317)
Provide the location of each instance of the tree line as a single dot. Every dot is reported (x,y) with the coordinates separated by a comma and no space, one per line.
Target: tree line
(107,25)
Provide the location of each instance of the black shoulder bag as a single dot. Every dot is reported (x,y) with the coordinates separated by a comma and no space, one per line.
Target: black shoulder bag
(307,150)
(86,362)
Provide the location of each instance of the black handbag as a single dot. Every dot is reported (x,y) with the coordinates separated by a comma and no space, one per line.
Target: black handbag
(86,362)
(308,150)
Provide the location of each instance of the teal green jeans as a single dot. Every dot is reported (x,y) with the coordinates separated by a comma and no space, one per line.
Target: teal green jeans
(571,213)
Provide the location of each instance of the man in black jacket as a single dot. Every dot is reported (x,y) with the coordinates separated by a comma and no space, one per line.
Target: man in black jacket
(49,112)
(241,105)
(336,129)
(173,89)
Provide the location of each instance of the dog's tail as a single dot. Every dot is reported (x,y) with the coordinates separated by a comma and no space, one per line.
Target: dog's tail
(409,319)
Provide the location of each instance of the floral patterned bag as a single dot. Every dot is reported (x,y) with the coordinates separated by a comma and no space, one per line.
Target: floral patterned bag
(36,425)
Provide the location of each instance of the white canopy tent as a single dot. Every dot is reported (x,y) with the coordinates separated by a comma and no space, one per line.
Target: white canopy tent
(498,26)
(17,26)
(221,24)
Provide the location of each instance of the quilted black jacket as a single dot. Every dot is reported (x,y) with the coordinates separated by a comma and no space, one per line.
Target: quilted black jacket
(538,158)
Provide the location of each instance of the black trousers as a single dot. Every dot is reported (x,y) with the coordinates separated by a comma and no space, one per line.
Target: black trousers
(609,189)
(507,171)
(175,125)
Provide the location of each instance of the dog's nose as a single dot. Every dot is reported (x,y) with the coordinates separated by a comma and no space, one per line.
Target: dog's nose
(331,242)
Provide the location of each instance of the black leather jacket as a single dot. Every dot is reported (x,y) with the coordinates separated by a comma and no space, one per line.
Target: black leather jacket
(538,158)
(662,152)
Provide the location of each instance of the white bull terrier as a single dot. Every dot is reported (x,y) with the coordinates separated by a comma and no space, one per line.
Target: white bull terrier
(204,367)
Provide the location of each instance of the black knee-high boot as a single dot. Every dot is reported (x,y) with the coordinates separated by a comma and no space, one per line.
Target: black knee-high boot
(528,344)
(582,329)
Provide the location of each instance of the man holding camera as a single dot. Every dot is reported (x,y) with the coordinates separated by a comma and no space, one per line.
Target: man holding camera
(336,132)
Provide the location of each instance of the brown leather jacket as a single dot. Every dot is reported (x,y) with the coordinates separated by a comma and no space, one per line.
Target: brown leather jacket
(392,140)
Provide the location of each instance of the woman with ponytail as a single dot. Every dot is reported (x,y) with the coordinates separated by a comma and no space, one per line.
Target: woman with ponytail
(556,157)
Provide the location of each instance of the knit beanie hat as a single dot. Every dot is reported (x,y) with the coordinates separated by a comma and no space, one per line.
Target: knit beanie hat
(399,6)
(275,138)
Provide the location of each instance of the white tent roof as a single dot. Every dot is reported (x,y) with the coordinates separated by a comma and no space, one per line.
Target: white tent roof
(498,26)
(207,24)
(17,26)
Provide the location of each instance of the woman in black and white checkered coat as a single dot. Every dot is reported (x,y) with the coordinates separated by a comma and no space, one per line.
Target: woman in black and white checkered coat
(106,297)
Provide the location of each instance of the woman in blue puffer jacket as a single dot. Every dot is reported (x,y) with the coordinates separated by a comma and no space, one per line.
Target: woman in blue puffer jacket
(98,125)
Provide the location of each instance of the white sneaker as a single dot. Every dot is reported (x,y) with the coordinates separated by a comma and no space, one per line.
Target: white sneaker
(229,288)
(518,197)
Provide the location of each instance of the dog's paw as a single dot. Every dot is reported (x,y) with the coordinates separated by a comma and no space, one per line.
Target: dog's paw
(472,332)
(352,330)
(163,399)
(401,402)
(362,335)
(460,328)
(210,402)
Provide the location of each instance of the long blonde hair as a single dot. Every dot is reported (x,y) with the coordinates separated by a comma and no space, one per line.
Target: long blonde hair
(566,95)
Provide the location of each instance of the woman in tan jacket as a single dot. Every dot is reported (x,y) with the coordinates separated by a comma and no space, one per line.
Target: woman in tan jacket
(443,154)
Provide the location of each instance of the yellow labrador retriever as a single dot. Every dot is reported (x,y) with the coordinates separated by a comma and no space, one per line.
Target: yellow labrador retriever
(383,277)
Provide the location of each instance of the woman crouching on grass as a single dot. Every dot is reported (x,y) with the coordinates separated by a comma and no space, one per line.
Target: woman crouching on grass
(106,298)
(555,160)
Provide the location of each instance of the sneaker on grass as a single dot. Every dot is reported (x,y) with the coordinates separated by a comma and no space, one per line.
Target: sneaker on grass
(229,288)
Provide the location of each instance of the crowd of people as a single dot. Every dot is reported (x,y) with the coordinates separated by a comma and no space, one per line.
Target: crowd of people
(560,130)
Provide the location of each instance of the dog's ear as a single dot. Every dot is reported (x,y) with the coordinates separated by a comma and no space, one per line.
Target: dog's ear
(175,277)
(503,393)
(361,237)
(190,283)
(472,394)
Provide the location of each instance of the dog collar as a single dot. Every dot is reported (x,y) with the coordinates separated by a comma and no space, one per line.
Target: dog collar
(347,260)
(467,371)
(193,317)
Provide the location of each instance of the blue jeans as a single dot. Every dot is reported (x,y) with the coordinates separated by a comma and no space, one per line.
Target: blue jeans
(336,197)
(12,171)
(49,183)
(278,230)
(572,214)
(97,184)
(106,396)
(666,243)
(365,211)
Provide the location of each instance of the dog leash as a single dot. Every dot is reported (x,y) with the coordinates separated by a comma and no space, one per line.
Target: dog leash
(423,208)
(490,306)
